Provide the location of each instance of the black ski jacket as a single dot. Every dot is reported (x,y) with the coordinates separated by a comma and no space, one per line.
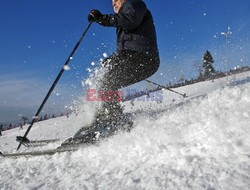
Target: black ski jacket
(135,28)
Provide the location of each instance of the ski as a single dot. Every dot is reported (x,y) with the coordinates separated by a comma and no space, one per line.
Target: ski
(84,137)
(35,143)
(37,153)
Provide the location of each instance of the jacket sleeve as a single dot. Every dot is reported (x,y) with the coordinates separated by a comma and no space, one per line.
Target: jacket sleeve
(129,17)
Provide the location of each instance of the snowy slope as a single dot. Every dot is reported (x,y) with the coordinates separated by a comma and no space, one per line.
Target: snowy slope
(200,142)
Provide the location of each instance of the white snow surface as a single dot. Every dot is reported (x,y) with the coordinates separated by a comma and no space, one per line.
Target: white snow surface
(199,142)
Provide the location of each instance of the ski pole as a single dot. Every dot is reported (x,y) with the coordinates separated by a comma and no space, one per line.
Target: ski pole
(53,86)
(183,95)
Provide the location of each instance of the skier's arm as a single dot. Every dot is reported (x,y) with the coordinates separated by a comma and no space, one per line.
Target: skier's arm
(97,16)
(129,17)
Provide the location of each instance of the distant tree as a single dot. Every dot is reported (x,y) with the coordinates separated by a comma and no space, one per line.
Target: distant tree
(20,126)
(207,64)
(10,126)
(182,79)
(1,128)
(24,120)
(198,65)
(45,117)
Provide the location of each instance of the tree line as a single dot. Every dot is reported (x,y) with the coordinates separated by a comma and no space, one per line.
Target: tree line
(206,72)
(24,120)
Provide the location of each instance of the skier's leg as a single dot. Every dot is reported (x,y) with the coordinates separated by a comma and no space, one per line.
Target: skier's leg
(128,68)
(101,113)
(124,69)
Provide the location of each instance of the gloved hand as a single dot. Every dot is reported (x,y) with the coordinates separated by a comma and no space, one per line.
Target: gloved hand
(94,15)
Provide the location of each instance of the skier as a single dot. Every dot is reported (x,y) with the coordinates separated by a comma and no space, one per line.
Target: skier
(137,56)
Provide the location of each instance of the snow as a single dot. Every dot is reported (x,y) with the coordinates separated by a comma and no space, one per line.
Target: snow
(105,55)
(199,142)
(66,67)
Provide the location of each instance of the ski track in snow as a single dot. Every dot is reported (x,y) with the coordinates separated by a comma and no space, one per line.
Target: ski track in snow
(201,142)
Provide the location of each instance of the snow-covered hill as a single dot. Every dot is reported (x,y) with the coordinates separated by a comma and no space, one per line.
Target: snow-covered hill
(199,142)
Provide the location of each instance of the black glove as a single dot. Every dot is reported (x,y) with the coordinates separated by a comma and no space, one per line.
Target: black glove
(95,16)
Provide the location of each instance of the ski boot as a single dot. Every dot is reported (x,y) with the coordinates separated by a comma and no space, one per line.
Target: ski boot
(110,119)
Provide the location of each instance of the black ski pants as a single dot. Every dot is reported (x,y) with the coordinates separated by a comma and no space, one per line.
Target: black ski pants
(127,68)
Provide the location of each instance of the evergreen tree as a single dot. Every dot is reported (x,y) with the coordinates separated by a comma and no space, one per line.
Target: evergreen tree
(207,64)
(198,65)
(45,117)
(1,128)
(182,79)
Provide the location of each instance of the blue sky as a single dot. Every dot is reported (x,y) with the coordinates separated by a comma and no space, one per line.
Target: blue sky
(37,36)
